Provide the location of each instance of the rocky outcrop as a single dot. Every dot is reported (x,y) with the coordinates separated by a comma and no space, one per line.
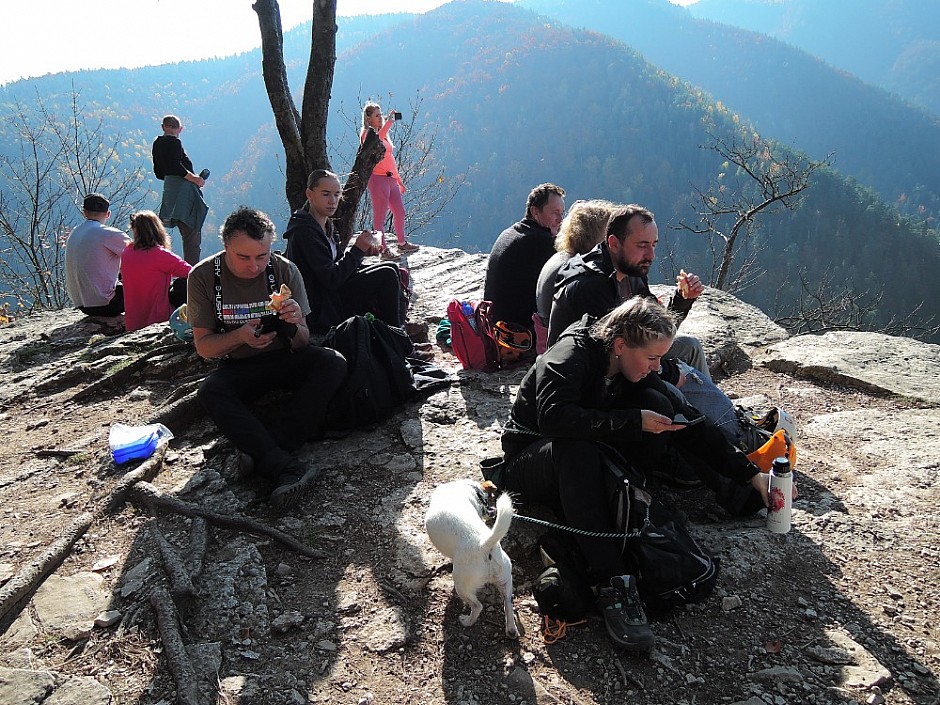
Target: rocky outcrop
(843,603)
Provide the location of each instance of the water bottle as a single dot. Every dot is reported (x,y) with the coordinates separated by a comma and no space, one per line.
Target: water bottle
(467,309)
(780,494)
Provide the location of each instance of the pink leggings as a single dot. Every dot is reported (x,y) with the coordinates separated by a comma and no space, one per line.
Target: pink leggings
(385,195)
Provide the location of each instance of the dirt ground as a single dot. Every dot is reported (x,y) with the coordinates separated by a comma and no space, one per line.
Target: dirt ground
(377,627)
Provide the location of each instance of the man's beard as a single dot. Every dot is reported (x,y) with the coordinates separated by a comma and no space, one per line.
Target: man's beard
(633,270)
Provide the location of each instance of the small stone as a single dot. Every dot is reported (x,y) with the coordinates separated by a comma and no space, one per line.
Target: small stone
(287,621)
(528,657)
(730,602)
(105,563)
(107,619)
(811,614)
(283,570)
(875,699)
(325,645)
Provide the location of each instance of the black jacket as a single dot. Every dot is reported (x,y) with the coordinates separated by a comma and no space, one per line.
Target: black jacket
(587,284)
(512,271)
(566,394)
(169,157)
(308,246)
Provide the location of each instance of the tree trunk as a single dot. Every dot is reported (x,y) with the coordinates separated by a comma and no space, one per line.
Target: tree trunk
(318,84)
(304,137)
(286,117)
(370,153)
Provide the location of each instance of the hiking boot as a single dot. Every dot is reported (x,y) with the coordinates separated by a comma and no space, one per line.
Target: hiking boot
(386,254)
(292,484)
(623,614)
(408,247)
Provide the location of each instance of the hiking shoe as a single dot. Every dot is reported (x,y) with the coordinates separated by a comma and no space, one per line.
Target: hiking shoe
(408,247)
(623,614)
(386,254)
(292,484)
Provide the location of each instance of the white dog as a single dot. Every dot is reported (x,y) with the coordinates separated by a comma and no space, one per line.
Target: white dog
(455,525)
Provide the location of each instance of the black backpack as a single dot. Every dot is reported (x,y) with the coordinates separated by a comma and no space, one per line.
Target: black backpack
(377,378)
(671,568)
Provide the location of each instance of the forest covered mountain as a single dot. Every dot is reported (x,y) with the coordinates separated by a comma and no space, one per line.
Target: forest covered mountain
(894,44)
(513,99)
(787,94)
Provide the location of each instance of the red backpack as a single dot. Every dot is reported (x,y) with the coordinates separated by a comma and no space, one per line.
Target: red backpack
(471,335)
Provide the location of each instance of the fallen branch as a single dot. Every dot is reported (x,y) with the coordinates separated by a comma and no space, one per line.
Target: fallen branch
(180,584)
(198,540)
(151,496)
(55,452)
(27,579)
(145,471)
(180,413)
(187,690)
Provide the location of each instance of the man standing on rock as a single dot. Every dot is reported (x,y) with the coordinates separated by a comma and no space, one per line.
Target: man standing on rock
(518,254)
(93,262)
(183,205)
(230,307)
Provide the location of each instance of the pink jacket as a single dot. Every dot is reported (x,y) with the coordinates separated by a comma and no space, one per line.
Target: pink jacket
(387,165)
(146,275)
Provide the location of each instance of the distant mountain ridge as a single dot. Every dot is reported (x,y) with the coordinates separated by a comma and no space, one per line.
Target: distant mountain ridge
(892,44)
(789,95)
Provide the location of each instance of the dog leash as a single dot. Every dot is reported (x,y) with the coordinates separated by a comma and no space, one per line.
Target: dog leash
(491,491)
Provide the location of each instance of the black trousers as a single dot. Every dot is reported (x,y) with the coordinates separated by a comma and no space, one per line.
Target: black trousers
(115,307)
(313,375)
(374,288)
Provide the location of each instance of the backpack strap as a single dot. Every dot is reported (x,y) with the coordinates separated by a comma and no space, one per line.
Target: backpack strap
(269,275)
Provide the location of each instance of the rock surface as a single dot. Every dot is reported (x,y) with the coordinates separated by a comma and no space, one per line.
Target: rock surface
(840,610)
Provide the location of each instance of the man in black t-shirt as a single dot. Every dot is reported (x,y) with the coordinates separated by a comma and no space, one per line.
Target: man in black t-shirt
(183,205)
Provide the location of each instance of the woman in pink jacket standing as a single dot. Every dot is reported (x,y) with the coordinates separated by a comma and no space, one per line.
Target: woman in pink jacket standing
(385,184)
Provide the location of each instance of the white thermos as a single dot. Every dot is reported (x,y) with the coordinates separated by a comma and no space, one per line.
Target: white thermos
(780,494)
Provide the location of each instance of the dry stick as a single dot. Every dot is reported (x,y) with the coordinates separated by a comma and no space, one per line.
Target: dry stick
(144,472)
(30,577)
(33,574)
(187,691)
(179,413)
(150,495)
(180,584)
(198,541)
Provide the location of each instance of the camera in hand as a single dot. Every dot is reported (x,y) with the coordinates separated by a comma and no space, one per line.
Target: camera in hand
(204,174)
(396,115)
(269,323)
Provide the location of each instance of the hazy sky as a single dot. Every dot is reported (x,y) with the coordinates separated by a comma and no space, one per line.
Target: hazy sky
(48,36)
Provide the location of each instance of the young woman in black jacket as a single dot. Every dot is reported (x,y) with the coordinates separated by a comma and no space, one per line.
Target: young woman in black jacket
(598,387)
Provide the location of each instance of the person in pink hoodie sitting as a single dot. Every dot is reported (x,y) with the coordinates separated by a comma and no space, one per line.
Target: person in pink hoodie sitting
(385,184)
(147,268)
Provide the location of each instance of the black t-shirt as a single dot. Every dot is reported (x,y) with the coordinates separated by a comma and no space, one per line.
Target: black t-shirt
(169,157)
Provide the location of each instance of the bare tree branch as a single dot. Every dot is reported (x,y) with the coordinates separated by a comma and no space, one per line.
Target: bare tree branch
(757,178)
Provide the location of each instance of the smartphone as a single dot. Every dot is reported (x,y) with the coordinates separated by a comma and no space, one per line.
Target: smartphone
(681,420)
(269,324)
(396,115)
(204,174)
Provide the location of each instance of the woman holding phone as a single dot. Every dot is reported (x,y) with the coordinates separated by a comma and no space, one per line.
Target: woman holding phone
(385,184)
